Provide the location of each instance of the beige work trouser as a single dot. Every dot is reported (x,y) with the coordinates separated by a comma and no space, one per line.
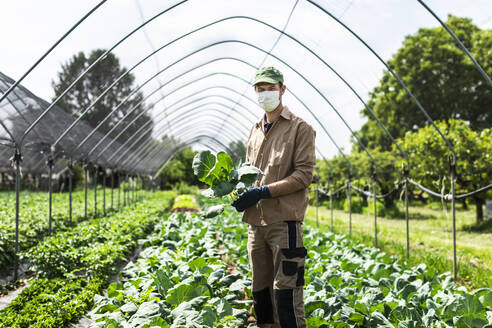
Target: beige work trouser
(277,254)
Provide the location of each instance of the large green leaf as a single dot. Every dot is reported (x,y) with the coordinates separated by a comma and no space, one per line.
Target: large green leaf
(467,305)
(197,264)
(224,165)
(379,320)
(224,309)
(400,313)
(222,188)
(470,321)
(215,276)
(485,297)
(162,282)
(185,291)
(147,309)
(221,170)
(203,164)
(209,316)
(248,174)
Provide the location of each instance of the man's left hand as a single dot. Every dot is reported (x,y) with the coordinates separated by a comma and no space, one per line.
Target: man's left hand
(251,197)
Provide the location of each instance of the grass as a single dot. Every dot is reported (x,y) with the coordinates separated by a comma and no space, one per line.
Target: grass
(430,239)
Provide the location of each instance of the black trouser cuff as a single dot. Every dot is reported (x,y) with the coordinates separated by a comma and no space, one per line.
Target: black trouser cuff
(263,306)
(284,299)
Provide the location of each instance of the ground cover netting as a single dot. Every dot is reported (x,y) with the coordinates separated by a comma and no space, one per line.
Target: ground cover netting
(195,273)
(74,264)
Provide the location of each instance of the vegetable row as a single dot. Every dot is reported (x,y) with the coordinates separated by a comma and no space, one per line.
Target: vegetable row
(33,218)
(177,283)
(188,276)
(73,265)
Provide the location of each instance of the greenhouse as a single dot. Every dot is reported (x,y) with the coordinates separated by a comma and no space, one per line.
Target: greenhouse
(129,151)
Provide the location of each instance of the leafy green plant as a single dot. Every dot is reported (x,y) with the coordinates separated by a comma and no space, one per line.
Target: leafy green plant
(79,262)
(219,173)
(347,284)
(184,201)
(181,278)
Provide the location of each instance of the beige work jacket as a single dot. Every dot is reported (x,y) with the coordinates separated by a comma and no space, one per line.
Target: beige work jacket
(286,150)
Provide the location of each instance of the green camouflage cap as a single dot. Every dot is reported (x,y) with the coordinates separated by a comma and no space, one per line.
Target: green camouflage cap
(268,75)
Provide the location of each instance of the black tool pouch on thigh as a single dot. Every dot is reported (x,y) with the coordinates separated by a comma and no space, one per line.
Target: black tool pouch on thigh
(290,267)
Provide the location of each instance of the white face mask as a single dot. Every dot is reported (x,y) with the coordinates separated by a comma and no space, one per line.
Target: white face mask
(269,100)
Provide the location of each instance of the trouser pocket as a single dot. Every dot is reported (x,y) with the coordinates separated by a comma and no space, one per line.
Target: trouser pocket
(289,268)
(292,258)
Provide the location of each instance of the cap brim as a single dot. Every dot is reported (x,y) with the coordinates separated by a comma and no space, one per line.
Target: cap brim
(266,80)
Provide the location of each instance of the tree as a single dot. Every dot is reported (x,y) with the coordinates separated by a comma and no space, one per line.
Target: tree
(87,89)
(238,149)
(441,77)
(387,174)
(179,169)
(430,158)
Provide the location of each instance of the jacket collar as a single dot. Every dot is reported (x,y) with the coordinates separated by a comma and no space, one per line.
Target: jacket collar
(285,113)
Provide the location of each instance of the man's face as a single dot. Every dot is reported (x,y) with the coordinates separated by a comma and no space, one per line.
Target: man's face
(269,95)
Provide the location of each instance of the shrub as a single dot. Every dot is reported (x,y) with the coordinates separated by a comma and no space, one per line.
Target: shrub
(184,188)
(392,212)
(357,203)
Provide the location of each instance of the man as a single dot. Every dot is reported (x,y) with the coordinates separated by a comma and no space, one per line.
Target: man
(282,146)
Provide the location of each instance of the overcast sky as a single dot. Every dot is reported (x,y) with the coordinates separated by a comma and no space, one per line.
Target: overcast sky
(30,27)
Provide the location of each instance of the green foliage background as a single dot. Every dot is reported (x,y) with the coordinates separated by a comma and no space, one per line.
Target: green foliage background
(455,95)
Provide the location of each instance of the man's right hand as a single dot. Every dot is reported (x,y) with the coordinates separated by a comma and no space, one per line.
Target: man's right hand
(251,197)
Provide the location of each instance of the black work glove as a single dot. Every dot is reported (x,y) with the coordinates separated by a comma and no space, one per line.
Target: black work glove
(251,197)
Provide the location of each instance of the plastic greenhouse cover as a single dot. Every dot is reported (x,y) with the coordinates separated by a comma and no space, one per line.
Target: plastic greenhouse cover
(211,51)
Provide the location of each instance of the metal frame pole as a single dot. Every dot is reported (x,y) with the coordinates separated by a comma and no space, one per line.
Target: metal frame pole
(459,43)
(86,177)
(143,189)
(45,112)
(13,86)
(124,191)
(104,191)
(407,219)
(129,191)
(95,191)
(149,146)
(70,187)
(375,211)
(17,159)
(119,190)
(350,204)
(112,190)
(134,185)
(50,163)
(317,199)
(331,200)
(453,194)
(152,154)
(137,187)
